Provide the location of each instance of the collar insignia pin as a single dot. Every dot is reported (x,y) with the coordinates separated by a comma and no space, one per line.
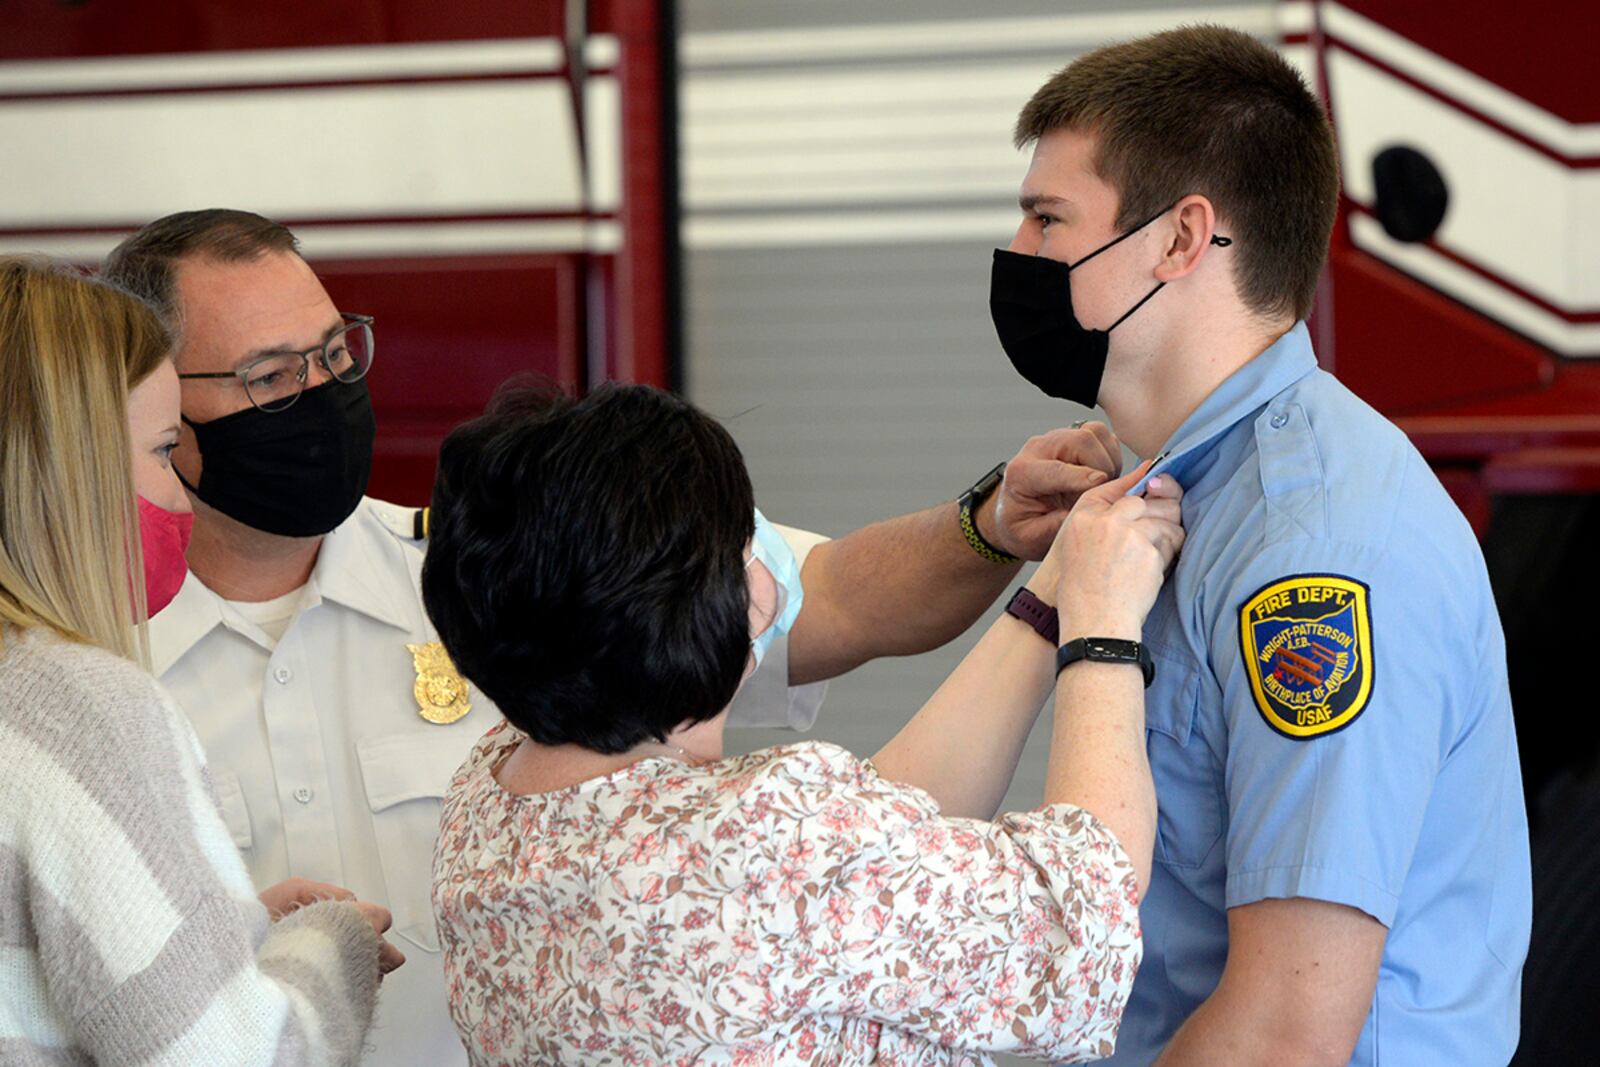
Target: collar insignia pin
(440,690)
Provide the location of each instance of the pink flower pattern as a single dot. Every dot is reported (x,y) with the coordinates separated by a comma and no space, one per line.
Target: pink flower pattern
(786,907)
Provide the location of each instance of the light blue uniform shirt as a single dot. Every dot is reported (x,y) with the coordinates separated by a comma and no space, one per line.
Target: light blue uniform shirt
(1330,719)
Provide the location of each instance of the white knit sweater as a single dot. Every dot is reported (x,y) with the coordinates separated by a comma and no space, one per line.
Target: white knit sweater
(129,930)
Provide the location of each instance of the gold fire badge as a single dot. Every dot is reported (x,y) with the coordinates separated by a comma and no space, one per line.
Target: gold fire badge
(441,692)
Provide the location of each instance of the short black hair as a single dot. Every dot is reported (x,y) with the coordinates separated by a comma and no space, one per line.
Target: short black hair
(585,562)
(145,263)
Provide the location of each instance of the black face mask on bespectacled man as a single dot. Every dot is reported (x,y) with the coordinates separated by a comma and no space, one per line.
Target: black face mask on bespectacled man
(1030,300)
(298,472)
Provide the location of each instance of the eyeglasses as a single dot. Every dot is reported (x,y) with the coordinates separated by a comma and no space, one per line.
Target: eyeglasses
(277,379)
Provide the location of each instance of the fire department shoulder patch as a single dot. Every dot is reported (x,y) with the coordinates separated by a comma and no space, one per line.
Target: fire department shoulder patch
(1307,644)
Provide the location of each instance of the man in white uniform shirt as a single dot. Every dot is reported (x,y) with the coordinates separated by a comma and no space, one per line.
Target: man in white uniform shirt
(299,646)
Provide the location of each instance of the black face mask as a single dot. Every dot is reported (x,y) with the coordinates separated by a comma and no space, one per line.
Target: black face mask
(298,472)
(1030,300)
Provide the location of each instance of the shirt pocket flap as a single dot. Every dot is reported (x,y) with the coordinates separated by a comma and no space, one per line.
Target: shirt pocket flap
(230,803)
(1174,695)
(412,766)
(1190,819)
(407,776)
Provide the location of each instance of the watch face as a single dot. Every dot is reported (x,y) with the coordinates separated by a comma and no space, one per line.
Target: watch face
(1115,651)
(1108,650)
(988,483)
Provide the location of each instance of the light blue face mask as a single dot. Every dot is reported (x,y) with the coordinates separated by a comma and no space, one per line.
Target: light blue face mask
(773,551)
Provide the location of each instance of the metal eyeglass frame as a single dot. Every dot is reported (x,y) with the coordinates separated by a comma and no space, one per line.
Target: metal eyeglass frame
(243,373)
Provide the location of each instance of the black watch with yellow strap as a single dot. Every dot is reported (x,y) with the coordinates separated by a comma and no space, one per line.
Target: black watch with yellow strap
(968,506)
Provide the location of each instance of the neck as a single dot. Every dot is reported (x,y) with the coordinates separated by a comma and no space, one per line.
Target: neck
(240,563)
(535,768)
(701,741)
(1171,376)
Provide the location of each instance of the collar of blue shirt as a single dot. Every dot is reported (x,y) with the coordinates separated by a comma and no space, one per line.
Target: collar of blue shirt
(1247,390)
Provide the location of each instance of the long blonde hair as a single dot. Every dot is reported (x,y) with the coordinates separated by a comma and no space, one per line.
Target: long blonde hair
(70,348)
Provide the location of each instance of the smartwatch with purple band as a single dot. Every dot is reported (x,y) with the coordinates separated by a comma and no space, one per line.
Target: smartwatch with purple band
(1036,613)
(1047,624)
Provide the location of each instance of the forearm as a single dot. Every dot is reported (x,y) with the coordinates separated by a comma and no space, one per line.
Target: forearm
(1097,755)
(1296,990)
(1225,1029)
(964,744)
(316,973)
(1212,1035)
(896,588)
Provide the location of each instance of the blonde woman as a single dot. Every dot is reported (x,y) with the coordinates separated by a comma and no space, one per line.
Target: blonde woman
(129,931)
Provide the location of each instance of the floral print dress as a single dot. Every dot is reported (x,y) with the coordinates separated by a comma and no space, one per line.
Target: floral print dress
(785,907)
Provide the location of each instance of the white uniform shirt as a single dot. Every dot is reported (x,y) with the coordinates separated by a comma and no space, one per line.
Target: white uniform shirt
(323,766)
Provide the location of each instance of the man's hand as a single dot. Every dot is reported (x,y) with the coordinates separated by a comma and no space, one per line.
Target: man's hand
(1042,483)
(907,585)
(294,893)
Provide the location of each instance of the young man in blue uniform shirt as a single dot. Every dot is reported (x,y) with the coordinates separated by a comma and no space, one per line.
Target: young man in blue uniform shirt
(1342,860)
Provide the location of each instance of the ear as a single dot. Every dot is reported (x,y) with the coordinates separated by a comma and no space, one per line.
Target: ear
(1190,226)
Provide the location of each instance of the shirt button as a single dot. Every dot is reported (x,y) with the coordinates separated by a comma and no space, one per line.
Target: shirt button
(283,674)
(1279,421)
(303,795)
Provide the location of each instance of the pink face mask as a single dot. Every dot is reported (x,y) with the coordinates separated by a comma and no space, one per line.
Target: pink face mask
(165,537)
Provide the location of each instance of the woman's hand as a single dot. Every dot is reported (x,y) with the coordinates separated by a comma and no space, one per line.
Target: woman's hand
(295,893)
(389,957)
(1111,556)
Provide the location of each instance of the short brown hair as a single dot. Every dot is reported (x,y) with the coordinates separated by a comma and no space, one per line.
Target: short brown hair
(1208,110)
(145,263)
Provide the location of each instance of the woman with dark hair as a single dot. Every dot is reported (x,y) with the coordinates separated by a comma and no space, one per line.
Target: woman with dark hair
(611,889)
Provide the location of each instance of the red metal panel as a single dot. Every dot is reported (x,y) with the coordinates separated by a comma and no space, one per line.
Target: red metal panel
(1493,411)
(40,29)
(1467,489)
(1468,107)
(1543,53)
(605,15)
(449,332)
(1545,471)
(1405,347)
(602,318)
(640,354)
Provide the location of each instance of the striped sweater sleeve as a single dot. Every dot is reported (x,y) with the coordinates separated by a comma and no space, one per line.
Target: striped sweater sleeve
(130,904)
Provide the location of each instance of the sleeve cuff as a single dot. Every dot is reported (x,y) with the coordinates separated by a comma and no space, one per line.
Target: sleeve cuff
(768,699)
(1313,883)
(805,701)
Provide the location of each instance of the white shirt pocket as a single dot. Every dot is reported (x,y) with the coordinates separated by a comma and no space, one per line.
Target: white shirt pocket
(406,776)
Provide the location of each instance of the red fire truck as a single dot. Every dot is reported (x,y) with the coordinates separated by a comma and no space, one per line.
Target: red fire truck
(1463,293)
